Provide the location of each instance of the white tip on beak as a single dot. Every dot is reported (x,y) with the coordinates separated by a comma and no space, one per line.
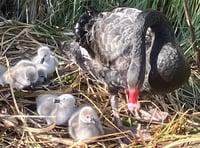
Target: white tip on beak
(131,106)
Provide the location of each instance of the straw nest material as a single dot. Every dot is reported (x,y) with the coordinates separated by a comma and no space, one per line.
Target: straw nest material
(21,126)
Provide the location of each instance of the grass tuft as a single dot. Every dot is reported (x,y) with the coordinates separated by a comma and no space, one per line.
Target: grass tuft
(30,24)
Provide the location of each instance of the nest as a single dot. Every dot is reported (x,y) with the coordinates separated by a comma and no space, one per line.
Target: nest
(21,126)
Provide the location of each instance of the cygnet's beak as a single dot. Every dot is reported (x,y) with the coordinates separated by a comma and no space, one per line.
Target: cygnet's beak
(93,120)
(32,85)
(57,101)
(43,79)
(42,60)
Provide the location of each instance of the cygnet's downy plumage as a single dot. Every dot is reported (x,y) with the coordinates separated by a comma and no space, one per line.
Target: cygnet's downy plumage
(84,124)
(23,74)
(59,106)
(2,69)
(42,74)
(46,60)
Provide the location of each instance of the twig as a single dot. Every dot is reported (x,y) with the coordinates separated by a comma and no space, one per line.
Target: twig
(11,87)
(192,32)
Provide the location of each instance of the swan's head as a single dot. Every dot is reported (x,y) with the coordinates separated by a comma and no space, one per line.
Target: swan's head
(44,53)
(67,100)
(135,78)
(88,115)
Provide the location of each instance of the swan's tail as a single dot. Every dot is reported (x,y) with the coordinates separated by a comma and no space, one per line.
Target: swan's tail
(84,24)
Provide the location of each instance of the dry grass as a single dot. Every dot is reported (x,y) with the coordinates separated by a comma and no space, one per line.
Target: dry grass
(20,126)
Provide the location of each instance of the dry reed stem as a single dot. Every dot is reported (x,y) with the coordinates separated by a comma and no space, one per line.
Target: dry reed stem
(31,129)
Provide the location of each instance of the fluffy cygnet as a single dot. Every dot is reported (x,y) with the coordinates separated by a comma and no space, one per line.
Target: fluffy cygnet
(23,74)
(84,124)
(45,59)
(61,107)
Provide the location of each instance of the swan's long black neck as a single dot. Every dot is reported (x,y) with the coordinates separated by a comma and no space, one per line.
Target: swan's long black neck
(162,34)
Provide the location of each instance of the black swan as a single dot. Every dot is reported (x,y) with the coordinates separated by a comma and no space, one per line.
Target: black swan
(129,49)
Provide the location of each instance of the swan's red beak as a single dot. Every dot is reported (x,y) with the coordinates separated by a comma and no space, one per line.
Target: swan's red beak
(132,98)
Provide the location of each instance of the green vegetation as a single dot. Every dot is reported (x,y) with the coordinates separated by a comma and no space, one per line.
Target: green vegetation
(37,22)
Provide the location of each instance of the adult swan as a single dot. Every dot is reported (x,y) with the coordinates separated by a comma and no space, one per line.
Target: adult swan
(129,49)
